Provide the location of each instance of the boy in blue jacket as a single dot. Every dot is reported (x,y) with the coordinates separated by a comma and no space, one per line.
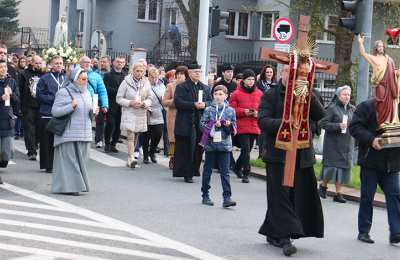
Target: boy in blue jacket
(218,123)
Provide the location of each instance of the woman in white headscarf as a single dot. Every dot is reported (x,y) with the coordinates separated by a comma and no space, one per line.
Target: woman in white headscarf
(71,152)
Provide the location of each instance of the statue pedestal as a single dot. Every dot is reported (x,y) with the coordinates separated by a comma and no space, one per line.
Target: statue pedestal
(389,135)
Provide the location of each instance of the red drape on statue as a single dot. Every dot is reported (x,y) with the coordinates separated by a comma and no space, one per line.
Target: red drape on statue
(385,92)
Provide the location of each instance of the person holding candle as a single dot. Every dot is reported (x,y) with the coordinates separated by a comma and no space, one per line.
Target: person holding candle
(338,144)
(9,99)
(190,101)
(134,97)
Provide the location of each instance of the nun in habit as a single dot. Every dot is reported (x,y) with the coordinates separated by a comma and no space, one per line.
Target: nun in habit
(71,152)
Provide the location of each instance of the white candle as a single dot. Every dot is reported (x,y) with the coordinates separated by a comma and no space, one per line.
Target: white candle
(200,100)
(95,102)
(344,121)
(138,98)
(7,102)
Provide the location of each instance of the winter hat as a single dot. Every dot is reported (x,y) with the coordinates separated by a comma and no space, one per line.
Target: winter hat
(248,73)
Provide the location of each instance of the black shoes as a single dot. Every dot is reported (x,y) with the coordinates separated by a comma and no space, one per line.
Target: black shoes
(365,238)
(153,158)
(49,170)
(274,242)
(322,191)
(394,238)
(146,160)
(339,198)
(288,247)
(1,181)
(228,203)
(188,179)
(207,201)
(245,179)
(113,149)
(107,148)
(238,172)
(32,157)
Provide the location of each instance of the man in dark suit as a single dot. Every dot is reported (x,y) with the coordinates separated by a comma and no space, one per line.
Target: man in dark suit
(188,152)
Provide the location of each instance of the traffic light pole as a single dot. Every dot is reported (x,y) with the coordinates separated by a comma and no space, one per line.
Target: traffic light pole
(366,28)
(202,38)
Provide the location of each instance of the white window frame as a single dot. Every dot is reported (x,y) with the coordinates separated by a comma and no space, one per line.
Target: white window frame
(236,31)
(272,25)
(81,20)
(147,11)
(394,46)
(171,10)
(321,86)
(325,34)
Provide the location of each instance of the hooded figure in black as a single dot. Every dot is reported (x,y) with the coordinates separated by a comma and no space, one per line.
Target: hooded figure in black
(292,212)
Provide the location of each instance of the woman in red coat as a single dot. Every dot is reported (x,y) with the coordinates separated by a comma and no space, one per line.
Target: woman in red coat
(245,100)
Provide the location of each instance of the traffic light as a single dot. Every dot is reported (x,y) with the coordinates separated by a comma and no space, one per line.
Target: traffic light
(219,21)
(352,20)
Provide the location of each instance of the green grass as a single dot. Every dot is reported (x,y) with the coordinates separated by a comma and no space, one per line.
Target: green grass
(355,173)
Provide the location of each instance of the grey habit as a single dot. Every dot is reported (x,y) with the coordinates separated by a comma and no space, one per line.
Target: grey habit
(71,151)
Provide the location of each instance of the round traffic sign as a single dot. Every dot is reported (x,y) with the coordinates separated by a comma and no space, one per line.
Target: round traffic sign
(283,30)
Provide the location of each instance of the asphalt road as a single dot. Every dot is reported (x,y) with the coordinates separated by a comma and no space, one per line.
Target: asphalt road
(147,214)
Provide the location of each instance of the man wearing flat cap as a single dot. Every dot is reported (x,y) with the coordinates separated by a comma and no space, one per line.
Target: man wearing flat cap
(190,101)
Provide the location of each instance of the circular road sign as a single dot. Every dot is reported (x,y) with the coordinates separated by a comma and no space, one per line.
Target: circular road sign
(283,30)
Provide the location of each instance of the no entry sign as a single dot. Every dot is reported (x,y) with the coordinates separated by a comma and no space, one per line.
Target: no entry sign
(283,30)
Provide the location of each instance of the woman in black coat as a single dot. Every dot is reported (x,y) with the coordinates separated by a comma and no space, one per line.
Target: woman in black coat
(338,144)
(9,99)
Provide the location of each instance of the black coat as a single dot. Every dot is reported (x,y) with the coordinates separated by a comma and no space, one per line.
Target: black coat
(264,86)
(363,128)
(187,117)
(47,88)
(269,120)
(6,112)
(27,101)
(112,80)
(338,147)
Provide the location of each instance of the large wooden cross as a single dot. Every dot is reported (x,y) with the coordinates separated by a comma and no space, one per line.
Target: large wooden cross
(290,131)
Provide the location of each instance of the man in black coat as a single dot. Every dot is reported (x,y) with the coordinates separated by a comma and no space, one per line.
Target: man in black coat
(227,79)
(292,212)
(29,105)
(188,153)
(112,80)
(378,166)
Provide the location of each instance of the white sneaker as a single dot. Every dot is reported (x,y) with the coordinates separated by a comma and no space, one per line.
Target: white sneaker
(99,144)
(136,155)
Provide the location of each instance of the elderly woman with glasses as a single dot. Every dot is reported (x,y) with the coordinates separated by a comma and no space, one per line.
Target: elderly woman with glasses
(71,152)
(338,143)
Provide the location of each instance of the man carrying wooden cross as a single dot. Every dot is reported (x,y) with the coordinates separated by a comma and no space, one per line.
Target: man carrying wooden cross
(294,207)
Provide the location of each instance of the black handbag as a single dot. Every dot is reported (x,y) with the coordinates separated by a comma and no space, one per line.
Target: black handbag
(57,125)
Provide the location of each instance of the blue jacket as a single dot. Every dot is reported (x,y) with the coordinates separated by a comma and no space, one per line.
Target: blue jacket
(47,88)
(226,131)
(96,86)
(6,112)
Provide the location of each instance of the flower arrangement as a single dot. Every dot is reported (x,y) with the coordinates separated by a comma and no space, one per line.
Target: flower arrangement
(70,55)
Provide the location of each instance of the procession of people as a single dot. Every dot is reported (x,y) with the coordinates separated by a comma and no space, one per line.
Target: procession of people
(58,103)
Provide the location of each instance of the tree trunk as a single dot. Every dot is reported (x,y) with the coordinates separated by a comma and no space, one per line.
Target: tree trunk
(191,17)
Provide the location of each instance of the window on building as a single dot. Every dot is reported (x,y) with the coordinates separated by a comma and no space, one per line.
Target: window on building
(267,24)
(148,10)
(172,16)
(81,20)
(330,23)
(238,24)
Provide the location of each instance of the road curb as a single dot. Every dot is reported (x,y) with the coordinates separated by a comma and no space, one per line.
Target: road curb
(349,197)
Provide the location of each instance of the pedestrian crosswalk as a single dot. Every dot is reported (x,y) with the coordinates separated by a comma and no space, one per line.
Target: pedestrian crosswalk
(35,226)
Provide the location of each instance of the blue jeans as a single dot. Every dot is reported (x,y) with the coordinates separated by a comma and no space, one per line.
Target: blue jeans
(18,127)
(390,184)
(223,164)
